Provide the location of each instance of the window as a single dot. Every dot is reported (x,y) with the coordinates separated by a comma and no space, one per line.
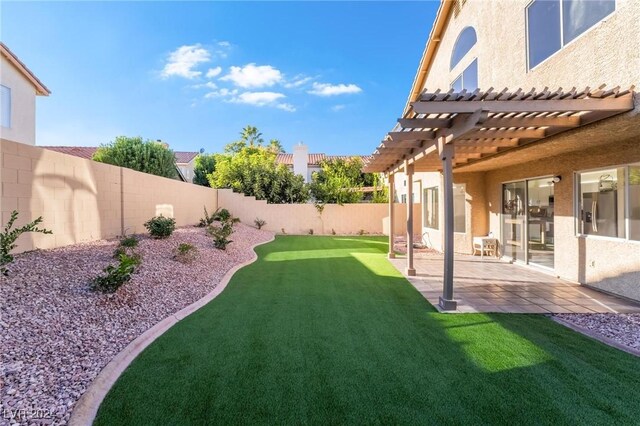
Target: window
(466,40)
(468,79)
(5,106)
(430,198)
(607,198)
(459,208)
(553,23)
(403,198)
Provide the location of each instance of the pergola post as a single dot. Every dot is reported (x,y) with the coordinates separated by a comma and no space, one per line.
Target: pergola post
(446,155)
(408,169)
(392,253)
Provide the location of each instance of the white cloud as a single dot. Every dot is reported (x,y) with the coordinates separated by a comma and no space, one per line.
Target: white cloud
(298,80)
(263,99)
(337,108)
(286,107)
(224,44)
(213,72)
(183,60)
(207,85)
(251,76)
(326,89)
(224,92)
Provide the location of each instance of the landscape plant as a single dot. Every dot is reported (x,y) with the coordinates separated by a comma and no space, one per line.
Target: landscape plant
(134,153)
(204,165)
(9,236)
(160,226)
(185,253)
(260,223)
(206,220)
(220,234)
(114,276)
(129,241)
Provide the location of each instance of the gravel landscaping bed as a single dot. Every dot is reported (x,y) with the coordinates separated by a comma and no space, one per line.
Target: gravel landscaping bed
(622,328)
(57,334)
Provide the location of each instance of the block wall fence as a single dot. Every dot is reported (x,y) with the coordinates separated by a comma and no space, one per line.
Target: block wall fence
(83,200)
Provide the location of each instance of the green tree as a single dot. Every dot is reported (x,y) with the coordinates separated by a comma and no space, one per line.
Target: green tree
(205,164)
(134,153)
(253,171)
(275,146)
(338,182)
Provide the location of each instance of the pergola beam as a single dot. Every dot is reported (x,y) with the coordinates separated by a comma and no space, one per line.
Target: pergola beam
(412,136)
(425,123)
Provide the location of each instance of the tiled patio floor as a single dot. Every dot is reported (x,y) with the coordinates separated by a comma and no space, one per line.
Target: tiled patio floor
(491,285)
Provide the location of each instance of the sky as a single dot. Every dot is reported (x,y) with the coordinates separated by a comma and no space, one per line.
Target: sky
(333,75)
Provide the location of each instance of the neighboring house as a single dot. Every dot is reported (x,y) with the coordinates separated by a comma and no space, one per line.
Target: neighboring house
(18,90)
(304,164)
(553,172)
(184,160)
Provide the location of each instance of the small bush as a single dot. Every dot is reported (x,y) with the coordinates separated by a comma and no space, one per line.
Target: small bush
(160,226)
(221,234)
(362,232)
(206,220)
(311,231)
(282,229)
(9,236)
(333,231)
(115,275)
(221,215)
(130,242)
(185,253)
(260,223)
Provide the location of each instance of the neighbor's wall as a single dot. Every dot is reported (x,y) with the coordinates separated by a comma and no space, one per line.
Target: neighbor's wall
(83,200)
(23,105)
(609,52)
(609,264)
(300,218)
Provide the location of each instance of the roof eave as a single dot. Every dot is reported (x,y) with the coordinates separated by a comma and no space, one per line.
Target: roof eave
(41,89)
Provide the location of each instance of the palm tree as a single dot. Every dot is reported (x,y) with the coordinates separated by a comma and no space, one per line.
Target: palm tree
(275,146)
(251,135)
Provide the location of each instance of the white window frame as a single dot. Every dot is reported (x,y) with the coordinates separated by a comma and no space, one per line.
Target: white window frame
(627,205)
(459,76)
(8,111)
(562,43)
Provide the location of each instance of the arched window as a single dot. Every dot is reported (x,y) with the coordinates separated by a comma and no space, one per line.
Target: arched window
(466,40)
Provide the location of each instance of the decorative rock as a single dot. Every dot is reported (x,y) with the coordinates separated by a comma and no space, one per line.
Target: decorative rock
(58,334)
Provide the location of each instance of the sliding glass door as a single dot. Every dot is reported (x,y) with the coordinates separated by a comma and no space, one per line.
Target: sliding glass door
(527,221)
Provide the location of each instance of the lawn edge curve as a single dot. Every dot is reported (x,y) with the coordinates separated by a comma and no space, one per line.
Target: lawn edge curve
(595,336)
(86,409)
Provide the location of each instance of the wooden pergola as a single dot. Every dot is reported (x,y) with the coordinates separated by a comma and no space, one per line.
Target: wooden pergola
(443,130)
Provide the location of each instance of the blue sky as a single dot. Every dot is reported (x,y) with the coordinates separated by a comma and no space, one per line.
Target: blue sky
(334,75)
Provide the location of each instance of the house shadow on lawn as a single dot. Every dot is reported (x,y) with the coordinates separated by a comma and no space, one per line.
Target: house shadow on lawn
(346,339)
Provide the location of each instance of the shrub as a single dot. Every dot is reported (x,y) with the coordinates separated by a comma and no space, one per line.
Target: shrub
(160,226)
(333,231)
(221,215)
(9,236)
(311,231)
(362,232)
(185,253)
(221,234)
(282,229)
(130,242)
(116,275)
(206,220)
(260,223)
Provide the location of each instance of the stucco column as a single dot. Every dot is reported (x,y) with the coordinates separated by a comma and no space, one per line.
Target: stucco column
(446,155)
(408,169)
(392,195)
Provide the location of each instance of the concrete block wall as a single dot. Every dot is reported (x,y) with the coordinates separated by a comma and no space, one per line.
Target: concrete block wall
(300,218)
(83,200)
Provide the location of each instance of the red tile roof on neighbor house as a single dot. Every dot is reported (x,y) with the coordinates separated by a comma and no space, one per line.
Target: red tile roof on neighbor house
(315,159)
(182,157)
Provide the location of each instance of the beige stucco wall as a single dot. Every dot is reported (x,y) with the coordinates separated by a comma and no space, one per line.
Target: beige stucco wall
(607,53)
(300,218)
(610,264)
(23,105)
(83,200)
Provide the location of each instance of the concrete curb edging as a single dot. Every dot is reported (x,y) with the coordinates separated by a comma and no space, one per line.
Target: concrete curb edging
(86,409)
(598,337)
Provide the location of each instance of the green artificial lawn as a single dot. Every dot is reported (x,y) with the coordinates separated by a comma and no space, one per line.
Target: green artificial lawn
(324,330)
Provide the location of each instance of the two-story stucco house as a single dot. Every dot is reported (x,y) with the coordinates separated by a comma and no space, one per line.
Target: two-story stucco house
(18,90)
(523,125)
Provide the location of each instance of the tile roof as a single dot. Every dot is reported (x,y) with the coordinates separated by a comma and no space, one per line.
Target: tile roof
(77,151)
(88,151)
(315,159)
(41,89)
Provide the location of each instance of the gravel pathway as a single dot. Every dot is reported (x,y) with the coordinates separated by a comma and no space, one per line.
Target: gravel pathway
(622,328)
(57,335)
